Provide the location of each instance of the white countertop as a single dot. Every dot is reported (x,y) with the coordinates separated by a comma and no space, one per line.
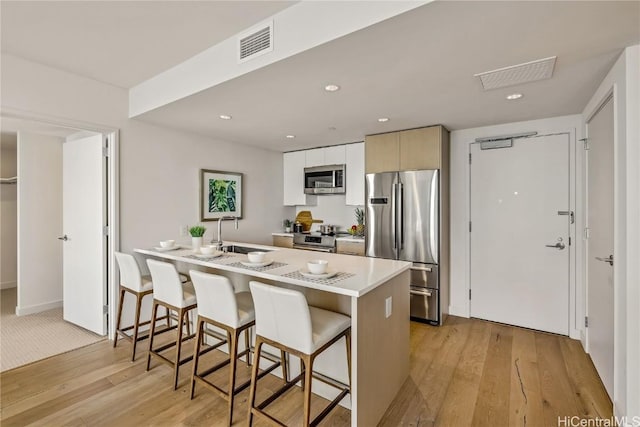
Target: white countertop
(283,234)
(367,273)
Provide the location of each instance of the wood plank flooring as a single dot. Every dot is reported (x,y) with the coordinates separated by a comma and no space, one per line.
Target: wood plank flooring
(466,373)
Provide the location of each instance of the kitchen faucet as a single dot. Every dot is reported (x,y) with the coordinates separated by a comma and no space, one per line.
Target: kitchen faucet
(218,243)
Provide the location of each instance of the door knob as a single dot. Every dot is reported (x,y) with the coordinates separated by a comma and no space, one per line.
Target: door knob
(63,238)
(559,246)
(609,259)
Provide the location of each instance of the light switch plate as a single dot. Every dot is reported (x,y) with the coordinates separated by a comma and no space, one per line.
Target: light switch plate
(184,230)
(387,307)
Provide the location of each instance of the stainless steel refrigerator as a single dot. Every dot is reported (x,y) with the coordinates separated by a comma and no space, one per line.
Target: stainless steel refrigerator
(403,222)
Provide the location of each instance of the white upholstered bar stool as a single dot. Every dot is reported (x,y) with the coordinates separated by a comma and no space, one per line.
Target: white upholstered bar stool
(284,320)
(219,305)
(173,295)
(133,282)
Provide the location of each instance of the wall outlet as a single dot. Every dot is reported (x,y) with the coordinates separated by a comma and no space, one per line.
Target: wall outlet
(184,230)
(387,307)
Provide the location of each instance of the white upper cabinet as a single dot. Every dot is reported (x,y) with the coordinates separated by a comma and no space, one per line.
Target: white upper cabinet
(314,157)
(293,177)
(335,155)
(354,155)
(294,163)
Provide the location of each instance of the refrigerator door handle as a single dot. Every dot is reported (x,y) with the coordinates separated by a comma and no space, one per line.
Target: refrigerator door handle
(393,218)
(401,213)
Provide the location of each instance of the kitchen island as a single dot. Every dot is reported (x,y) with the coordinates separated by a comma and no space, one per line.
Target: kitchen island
(373,291)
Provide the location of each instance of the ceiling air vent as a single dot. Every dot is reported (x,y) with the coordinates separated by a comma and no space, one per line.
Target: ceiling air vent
(255,42)
(518,74)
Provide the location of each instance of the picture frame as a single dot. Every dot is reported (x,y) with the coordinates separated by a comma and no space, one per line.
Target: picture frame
(220,194)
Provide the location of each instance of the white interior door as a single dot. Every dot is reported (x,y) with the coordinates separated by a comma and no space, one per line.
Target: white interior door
(84,213)
(600,243)
(519,241)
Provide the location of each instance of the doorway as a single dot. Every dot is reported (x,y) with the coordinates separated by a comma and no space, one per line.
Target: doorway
(520,232)
(600,258)
(39,198)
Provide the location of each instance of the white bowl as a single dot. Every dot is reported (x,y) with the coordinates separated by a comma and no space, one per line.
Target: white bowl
(167,243)
(317,266)
(207,250)
(256,256)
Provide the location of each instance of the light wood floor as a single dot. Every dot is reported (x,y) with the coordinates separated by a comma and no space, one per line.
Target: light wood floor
(465,373)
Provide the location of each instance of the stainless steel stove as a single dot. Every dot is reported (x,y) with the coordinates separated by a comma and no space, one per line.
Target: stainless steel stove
(314,242)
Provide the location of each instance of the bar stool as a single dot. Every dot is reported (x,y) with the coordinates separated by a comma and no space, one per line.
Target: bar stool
(219,305)
(173,295)
(284,320)
(132,281)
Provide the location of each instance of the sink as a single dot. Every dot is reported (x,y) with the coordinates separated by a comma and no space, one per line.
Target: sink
(241,249)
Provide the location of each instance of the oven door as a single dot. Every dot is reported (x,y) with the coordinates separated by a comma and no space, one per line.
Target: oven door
(424,305)
(313,248)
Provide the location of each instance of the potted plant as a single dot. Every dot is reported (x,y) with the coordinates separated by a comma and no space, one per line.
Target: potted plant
(197,231)
(287,225)
(360,220)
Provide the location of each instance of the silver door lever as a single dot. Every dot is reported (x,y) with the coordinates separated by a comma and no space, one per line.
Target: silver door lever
(63,238)
(558,245)
(609,259)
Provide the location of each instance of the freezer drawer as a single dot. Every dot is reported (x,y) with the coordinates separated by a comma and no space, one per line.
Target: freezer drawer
(424,276)
(425,305)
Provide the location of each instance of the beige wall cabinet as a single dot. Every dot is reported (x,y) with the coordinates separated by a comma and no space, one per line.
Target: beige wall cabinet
(413,149)
(347,247)
(283,241)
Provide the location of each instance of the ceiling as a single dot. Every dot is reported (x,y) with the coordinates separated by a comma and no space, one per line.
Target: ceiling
(416,68)
(123,42)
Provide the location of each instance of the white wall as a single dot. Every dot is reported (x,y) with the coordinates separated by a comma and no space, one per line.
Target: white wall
(39,222)
(8,213)
(158,166)
(332,210)
(624,81)
(460,193)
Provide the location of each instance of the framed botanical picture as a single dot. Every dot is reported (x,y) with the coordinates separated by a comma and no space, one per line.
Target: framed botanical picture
(220,194)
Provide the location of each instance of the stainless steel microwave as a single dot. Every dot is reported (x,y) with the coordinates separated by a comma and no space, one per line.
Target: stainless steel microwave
(324,179)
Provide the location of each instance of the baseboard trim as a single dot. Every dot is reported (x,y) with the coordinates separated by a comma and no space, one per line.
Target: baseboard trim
(459,311)
(8,285)
(23,311)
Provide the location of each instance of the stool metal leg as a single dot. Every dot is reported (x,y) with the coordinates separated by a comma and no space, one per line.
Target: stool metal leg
(154,313)
(233,355)
(136,326)
(348,341)
(196,354)
(115,338)
(181,316)
(254,377)
(308,362)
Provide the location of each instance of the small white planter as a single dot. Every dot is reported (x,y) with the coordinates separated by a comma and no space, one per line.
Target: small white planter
(196,243)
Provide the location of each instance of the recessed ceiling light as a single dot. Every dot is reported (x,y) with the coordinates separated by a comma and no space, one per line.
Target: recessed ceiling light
(331,88)
(514,96)
(225,117)
(383,119)
(291,136)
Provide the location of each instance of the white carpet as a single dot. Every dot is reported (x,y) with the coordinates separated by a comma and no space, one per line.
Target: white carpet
(25,339)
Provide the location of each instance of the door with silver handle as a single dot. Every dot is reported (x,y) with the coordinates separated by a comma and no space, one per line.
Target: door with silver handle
(609,259)
(559,246)
(63,238)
